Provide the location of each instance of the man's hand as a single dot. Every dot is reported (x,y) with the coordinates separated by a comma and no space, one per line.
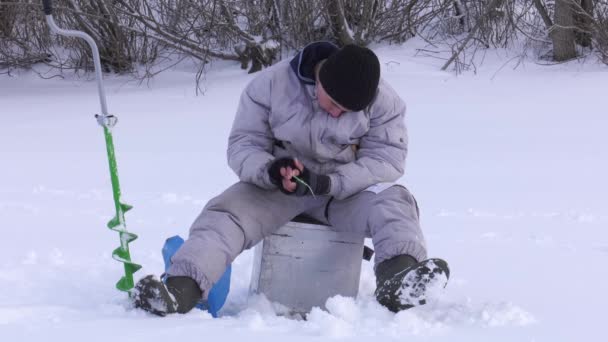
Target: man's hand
(288,173)
(283,173)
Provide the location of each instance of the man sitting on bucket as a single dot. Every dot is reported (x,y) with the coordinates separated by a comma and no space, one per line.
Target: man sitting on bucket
(322,136)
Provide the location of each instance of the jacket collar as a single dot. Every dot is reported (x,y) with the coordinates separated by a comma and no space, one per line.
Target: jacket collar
(303,64)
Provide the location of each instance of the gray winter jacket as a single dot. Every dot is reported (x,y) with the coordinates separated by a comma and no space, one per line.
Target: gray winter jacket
(279,115)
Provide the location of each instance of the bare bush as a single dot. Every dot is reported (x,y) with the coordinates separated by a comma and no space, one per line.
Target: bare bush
(208,29)
(29,41)
(256,33)
(23,41)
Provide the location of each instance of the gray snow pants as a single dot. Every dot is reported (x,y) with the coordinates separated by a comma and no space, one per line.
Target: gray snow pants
(244,214)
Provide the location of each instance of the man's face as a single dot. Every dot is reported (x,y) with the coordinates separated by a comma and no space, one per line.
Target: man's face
(327,103)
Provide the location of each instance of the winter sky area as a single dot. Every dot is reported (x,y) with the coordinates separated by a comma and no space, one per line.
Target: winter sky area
(509,165)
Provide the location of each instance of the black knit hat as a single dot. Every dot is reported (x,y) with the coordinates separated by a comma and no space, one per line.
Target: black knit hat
(350,76)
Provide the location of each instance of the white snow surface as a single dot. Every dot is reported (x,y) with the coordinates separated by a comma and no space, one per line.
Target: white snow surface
(509,166)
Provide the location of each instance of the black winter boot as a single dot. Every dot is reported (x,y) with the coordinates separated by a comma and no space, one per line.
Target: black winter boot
(179,294)
(402,282)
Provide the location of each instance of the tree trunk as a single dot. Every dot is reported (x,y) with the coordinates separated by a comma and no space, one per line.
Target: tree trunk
(583,18)
(4,23)
(366,23)
(337,19)
(542,11)
(460,13)
(562,32)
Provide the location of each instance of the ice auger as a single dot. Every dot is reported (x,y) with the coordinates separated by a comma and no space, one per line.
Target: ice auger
(107,121)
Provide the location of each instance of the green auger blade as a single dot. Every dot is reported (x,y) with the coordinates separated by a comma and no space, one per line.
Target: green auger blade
(122,254)
(126,237)
(126,282)
(114,222)
(117,223)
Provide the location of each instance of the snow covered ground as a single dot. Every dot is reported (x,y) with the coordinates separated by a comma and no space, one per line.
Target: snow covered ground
(509,167)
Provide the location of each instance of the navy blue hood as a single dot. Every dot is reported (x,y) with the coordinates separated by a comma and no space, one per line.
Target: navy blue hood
(303,64)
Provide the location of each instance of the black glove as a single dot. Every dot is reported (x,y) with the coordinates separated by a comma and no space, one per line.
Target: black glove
(319,184)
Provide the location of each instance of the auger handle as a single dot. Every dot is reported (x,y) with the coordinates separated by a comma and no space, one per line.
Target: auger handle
(48,11)
(48,7)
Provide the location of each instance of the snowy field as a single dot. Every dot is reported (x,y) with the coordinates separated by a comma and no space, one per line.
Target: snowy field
(509,167)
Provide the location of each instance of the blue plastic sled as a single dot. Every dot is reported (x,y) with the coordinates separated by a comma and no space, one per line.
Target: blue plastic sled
(219,291)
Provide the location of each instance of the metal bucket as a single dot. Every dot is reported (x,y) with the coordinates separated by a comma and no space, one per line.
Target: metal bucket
(301,265)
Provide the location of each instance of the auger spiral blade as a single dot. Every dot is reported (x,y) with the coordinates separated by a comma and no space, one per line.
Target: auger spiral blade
(117,224)
(122,254)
